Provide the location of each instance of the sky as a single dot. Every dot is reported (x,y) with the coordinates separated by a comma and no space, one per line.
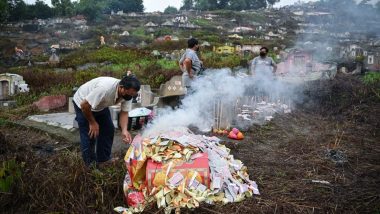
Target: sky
(160,5)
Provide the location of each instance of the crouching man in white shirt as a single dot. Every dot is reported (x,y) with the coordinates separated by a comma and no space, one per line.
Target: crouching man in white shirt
(91,102)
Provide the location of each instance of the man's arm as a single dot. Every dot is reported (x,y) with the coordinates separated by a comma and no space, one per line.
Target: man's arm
(93,125)
(186,66)
(123,120)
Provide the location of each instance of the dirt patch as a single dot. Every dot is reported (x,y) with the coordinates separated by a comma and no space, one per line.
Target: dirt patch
(286,157)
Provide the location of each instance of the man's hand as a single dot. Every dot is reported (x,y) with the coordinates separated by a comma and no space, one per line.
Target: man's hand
(126,136)
(93,125)
(94,130)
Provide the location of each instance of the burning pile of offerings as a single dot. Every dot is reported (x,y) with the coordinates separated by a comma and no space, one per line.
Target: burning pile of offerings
(181,170)
(259,112)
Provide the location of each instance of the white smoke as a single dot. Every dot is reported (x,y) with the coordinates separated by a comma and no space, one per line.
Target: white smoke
(197,108)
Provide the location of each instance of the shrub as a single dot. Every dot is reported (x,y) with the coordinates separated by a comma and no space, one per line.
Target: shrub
(168,64)
(154,75)
(117,56)
(371,78)
(168,45)
(10,173)
(214,60)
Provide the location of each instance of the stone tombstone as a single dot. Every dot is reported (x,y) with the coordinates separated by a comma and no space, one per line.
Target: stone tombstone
(146,95)
(71,105)
(173,87)
(102,40)
(53,59)
(10,84)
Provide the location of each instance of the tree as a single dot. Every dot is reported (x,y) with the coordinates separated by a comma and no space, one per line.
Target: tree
(63,7)
(4,10)
(187,5)
(17,10)
(90,8)
(223,4)
(206,4)
(134,6)
(67,7)
(171,10)
(39,10)
(238,5)
(93,9)
(256,4)
(272,2)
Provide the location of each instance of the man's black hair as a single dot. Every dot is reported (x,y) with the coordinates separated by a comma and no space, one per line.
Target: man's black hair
(192,42)
(130,82)
(266,49)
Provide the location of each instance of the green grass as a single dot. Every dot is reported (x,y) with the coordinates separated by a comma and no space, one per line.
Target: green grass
(371,78)
(214,60)
(10,173)
(202,22)
(103,54)
(3,122)
(168,64)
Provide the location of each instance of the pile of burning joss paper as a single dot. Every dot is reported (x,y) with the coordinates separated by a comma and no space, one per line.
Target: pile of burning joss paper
(179,169)
(262,111)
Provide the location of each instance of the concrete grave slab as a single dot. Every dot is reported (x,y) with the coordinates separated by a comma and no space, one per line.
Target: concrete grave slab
(62,120)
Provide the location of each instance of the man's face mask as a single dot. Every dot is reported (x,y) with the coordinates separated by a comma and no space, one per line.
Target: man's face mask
(128,94)
(127,97)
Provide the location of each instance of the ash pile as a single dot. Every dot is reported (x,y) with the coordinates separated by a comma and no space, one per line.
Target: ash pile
(257,106)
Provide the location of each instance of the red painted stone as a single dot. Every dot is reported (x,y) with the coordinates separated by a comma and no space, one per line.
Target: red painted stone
(50,102)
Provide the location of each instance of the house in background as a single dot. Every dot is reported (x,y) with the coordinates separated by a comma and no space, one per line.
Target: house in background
(372,59)
(351,51)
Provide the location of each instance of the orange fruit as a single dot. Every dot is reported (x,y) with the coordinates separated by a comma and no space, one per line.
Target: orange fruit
(240,136)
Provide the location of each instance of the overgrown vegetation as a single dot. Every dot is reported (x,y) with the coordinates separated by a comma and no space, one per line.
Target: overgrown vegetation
(214,60)
(40,180)
(10,173)
(115,62)
(44,80)
(16,10)
(372,78)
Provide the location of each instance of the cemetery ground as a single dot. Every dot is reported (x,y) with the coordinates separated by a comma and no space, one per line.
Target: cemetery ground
(323,157)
